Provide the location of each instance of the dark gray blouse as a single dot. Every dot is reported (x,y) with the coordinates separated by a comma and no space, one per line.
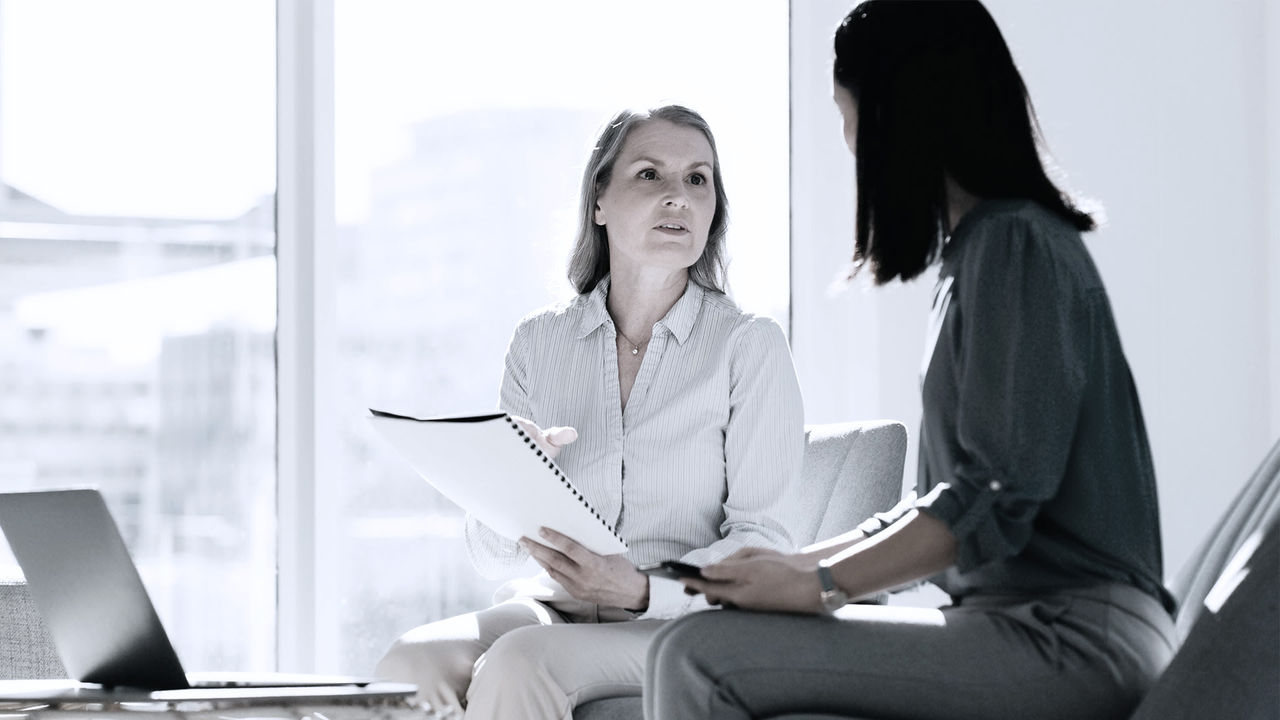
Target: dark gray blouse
(1033,449)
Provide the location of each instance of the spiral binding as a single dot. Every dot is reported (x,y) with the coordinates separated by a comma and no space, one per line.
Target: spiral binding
(564,480)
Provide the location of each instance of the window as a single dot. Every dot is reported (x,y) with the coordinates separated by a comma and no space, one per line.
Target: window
(461,134)
(137,293)
(138,334)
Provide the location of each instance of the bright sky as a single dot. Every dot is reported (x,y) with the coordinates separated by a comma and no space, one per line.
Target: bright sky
(139,107)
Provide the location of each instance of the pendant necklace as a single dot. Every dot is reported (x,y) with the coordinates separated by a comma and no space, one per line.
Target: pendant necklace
(635,347)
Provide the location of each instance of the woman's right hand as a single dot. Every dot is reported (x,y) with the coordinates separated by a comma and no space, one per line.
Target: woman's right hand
(764,581)
(550,440)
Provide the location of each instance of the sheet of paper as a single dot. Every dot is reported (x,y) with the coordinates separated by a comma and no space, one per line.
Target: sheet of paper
(501,478)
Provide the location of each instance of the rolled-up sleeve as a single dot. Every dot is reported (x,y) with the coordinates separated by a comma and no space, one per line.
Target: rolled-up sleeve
(493,555)
(1020,342)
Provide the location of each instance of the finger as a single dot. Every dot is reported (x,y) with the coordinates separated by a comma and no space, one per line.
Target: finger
(567,545)
(722,572)
(724,595)
(560,436)
(698,585)
(538,435)
(565,581)
(547,556)
(528,426)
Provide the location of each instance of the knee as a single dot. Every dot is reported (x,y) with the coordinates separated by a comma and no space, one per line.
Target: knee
(398,662)
(420,658)
(678,647)
(519,653)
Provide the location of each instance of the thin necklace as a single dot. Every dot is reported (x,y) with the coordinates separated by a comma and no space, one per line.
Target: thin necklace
(635,347)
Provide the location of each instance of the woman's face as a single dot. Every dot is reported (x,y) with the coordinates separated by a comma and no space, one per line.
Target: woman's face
(848,111)
(658,206)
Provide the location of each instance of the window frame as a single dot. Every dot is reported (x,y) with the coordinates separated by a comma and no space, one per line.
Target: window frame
(305,230)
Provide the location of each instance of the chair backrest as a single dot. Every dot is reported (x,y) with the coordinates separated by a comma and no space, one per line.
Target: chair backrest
(1228,663)
(26,646)
(1254,508)
(852,470)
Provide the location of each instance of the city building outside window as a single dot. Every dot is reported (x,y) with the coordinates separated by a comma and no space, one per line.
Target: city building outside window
(137,294)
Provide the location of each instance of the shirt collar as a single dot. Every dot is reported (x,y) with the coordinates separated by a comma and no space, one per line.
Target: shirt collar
(594,311)
(679,319)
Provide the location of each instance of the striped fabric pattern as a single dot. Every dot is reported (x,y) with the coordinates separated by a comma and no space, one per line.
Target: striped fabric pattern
(711,438)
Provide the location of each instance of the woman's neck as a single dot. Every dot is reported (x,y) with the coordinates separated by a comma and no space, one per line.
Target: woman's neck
(959,203)
(638,300)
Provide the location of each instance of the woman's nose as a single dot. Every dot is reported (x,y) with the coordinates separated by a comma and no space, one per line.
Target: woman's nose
(676,196)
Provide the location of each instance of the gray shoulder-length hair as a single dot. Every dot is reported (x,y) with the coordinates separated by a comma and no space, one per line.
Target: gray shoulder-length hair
(589,262)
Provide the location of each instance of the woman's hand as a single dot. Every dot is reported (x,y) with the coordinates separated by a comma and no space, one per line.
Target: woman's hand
(601,579)
(761,580)
(550,440)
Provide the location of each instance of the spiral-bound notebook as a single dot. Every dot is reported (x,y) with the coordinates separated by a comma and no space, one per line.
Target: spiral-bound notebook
(494,470)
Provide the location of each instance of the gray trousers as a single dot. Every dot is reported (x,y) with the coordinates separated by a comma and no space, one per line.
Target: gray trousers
(1079,654)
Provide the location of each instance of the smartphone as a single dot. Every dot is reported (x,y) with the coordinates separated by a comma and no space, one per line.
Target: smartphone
(671,569)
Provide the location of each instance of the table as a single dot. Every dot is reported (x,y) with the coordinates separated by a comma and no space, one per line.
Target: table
(68,700)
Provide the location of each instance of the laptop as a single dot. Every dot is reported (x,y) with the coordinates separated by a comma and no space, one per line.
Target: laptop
(83,581)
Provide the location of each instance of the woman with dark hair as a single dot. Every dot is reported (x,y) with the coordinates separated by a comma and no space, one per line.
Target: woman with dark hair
(676,414)
(1035,506)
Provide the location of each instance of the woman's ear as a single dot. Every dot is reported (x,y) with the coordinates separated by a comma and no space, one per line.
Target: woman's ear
(599,215)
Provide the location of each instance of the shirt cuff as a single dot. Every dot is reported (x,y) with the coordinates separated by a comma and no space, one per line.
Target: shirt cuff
(882,520)
(667,599)
(969,513)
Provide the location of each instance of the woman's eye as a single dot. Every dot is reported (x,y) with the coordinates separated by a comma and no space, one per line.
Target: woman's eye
(698,179)
(649,174)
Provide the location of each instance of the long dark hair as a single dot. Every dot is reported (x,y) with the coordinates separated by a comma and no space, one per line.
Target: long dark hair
(937,94)
(589,262)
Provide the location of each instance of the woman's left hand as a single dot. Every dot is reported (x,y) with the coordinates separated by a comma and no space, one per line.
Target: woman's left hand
(601,579)
(786,583)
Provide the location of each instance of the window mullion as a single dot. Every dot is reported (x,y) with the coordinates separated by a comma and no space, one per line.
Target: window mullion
(304,247)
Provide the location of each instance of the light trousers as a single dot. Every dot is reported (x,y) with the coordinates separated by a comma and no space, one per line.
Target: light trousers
(1079,654)
(522,659)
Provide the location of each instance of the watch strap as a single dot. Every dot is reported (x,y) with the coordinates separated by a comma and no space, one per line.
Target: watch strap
(831,596)
(825,578)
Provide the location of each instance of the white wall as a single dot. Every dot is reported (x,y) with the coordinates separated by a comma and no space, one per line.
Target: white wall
(1272,76)
(1162,110)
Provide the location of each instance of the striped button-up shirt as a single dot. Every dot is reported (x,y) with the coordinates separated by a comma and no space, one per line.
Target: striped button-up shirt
(696,465)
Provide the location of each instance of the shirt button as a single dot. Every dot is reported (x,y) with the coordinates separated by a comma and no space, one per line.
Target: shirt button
(995,486)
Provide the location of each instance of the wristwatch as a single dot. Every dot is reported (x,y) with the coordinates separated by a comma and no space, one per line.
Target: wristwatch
(831,597)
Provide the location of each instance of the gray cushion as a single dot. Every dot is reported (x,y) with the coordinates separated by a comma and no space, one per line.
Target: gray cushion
(26,647)
(851,471)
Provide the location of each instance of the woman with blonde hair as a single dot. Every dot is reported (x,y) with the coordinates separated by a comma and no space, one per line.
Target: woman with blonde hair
(675,413)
